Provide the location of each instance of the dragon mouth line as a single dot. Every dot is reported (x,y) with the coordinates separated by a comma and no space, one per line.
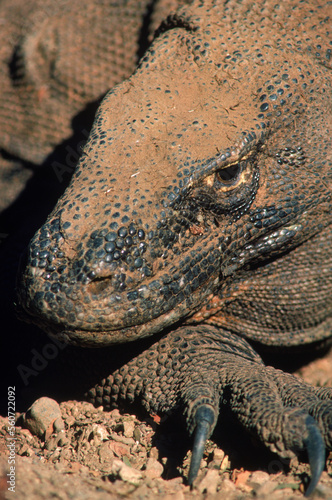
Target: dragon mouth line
(258,250)
(107,337)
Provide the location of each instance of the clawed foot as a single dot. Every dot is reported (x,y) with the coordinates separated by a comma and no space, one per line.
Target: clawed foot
(195,368)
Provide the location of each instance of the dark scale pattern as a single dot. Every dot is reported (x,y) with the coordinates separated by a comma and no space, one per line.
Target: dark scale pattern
(204,196)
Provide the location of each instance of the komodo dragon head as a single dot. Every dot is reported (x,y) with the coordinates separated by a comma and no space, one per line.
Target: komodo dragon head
(211,160)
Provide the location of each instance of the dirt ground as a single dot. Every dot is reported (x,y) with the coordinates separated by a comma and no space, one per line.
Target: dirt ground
(104,455)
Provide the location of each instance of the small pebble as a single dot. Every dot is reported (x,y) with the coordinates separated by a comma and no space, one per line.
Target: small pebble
(128,428)
(218,454)
(154,453)
(63,441)
(209,482)
(99,432)
(106,455)
(58,425)
(224,463)
(258,477)
(153,468)
(126,473)
(40,417)
(137,434)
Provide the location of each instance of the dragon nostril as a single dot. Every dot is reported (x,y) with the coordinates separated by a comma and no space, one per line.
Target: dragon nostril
(98,285)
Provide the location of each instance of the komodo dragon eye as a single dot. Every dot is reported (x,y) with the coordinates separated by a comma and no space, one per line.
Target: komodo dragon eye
(232,187)
(228,175)
(233,176)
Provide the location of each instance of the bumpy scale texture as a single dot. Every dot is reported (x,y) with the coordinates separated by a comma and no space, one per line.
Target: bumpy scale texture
(203,198)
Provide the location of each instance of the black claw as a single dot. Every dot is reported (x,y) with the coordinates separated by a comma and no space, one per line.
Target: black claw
(316,453)
(205,420)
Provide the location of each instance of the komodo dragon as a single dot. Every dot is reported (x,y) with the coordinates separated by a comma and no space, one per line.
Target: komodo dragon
(203,200)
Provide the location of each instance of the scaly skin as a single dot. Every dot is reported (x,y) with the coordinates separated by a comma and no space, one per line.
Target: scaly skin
(203,195)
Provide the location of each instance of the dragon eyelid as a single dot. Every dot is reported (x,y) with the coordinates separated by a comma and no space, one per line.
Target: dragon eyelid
(230,174)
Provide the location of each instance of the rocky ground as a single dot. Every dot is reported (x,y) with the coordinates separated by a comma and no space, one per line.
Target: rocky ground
(76,451)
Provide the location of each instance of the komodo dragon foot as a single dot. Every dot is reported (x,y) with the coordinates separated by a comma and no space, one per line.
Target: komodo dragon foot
(196,368)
